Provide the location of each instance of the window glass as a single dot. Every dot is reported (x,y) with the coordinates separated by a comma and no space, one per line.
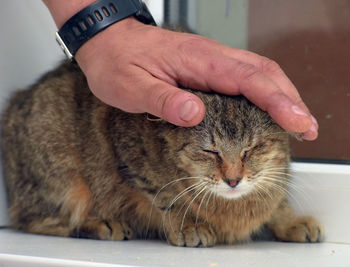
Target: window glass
(311,42)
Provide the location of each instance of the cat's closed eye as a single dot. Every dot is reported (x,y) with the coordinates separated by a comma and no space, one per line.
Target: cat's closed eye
(213,152)
(247,152)
(244,155)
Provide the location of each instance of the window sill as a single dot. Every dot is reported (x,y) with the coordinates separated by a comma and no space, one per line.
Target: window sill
(25,250)
(322,191)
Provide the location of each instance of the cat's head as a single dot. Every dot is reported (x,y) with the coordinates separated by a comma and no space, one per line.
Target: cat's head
(234,151)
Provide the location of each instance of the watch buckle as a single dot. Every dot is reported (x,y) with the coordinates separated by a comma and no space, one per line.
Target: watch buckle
(63,46)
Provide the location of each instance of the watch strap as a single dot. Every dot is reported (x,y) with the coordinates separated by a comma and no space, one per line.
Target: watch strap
(95,18)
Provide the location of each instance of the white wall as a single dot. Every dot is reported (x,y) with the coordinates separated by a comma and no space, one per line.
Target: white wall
(28,49)
(156,8)
(27,46)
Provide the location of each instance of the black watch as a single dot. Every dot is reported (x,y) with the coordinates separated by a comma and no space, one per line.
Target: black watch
(95,18)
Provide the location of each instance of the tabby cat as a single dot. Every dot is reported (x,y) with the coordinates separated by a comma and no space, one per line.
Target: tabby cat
(77,167)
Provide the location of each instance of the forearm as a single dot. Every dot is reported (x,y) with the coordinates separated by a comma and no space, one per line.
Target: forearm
(62,10)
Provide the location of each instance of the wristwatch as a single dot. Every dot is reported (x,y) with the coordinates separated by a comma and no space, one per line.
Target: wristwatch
(95,18)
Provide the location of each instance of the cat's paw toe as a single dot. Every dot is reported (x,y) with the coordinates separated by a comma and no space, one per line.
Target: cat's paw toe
(104,230)
(200,236)
(118,231)
(207,236)
(305,229)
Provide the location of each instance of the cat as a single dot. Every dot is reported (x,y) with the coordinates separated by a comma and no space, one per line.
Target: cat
(76,167)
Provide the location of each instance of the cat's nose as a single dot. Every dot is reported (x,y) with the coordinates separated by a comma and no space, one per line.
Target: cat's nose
(233,182)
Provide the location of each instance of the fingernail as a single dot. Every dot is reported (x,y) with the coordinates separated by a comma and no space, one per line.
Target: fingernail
(298,111)
(188,110)
(313,128)
(312,133)
(314,121)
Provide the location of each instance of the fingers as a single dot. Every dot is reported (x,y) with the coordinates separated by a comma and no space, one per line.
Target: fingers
(263,92)
(260,80)
(272,70)
(166,58)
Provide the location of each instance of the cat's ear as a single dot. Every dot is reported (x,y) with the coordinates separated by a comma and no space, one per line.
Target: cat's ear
(297,136)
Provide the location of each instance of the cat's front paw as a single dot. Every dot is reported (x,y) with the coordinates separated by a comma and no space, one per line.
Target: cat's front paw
(104,230)
(304,229)
(191,236)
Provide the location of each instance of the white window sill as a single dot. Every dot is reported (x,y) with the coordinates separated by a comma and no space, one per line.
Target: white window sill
(323,191)
(23,250)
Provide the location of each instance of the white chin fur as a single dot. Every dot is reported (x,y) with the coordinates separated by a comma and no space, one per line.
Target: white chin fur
(224,190)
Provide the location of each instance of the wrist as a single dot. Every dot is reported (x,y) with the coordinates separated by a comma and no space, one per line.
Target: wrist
(63,10)
(114,34)
(93,19)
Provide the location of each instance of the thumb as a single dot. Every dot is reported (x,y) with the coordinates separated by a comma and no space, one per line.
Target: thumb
(170,103)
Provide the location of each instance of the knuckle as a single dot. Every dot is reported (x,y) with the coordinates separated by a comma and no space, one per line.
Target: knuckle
(161,101)
(122,59)
(190,43)
(193,45)
(247,71)
(215,68)
(269,66)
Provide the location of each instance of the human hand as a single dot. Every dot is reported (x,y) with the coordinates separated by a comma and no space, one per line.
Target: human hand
(138,68)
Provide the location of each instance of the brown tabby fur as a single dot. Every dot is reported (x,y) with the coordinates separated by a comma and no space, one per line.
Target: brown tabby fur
(77,167)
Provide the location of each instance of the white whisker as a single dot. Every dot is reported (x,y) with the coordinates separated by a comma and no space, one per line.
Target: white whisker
(276,172)
(206,205)
(200,205)
(185,191)
(184,216)
(292,186)
(266,192)
(272,183)
(195,187)
(162,188)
